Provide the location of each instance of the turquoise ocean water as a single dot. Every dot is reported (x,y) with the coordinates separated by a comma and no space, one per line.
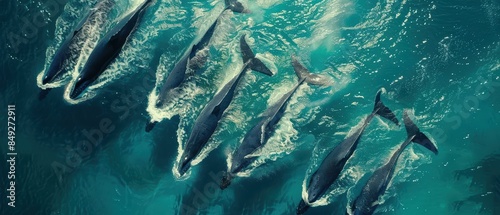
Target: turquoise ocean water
(440,59)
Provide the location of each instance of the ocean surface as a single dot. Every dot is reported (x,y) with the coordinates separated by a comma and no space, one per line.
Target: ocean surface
(439,59)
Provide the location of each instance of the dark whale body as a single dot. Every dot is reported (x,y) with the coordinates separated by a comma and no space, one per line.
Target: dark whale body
(330,168)
(207,121)
(366,202)
(258,135)
(179,73)
(107,50)
(65,52)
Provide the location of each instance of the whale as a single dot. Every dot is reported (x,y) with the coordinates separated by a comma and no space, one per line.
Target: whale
(208,119)
(367,201)
(107,50)
(69,48)
(331,166)
(260,133)
(180,72)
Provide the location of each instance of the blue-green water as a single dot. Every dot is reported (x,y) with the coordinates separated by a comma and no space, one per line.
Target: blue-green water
(439,58)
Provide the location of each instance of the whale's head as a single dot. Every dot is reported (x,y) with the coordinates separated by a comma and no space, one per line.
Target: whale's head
(312,196)
(185,163)
(316,188)
(79,87)
(303,206)
(46,79)
(56,68)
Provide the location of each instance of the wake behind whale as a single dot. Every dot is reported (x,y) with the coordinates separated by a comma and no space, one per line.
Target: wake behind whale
(106,50)
(332,165)
(208,120)
(67,55)
(258,136)
(195,149)
(187,66)
(366,202)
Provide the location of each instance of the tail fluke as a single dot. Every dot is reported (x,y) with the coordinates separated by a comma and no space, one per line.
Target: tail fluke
(383,111)
(417,136)
(249,57)
(304,74)
(235,6)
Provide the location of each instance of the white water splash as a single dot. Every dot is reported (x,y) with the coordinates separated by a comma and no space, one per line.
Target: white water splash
(188,91)
(127,62)
(82,43)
